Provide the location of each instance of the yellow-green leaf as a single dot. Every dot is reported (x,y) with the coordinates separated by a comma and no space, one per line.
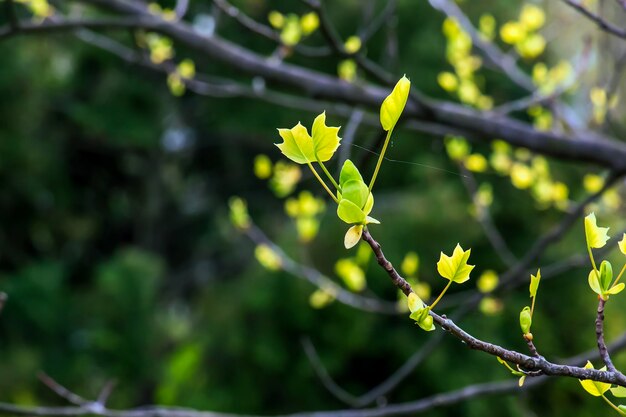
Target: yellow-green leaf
(619,392)
(414,302)
(597,389)
(596,236)
(455,267)
(616,289)
(353,235)
(350,212)
(393,105)
(525,320)
(325,138)
(594,282)
(297,144)
(622,244)
(534,283)
(423,318)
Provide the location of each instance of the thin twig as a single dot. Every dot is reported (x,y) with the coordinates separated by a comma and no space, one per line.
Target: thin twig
(599,21)
(61,391)
(528,363)
(3,300)
(604,354)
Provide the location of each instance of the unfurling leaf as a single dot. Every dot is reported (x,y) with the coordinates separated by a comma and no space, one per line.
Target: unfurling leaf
(525,320)
(423,318)
(355,199)
(414,302)
(350,212)
(594,282)
(353,235)
(596,236)
(597,389)
(534,283)
(606,275)
(393,105)
(455,267)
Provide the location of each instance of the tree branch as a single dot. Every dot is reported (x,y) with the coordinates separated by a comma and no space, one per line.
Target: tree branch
(527,363)
(599,21)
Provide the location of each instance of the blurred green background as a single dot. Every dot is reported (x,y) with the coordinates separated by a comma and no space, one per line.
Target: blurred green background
(120,262)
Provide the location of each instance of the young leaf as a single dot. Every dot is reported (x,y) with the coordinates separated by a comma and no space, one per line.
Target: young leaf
(297,144)
(525,320)
(616,289)
(622,244)
(414,302)
(353,235)
(423,318)
(393,105)
(619,392)
(355,191)
(594,282)
(522,378)
(455,267)
(534,283)
(349,172)
(350,212)
(325,138)
(596,236)
(597,389)
(606,275)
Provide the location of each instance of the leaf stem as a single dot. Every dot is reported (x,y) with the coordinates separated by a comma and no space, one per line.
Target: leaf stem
(380,160)
(330,177)
(322,182)
(532,306)
(609,402)
(440,295)
(593,262)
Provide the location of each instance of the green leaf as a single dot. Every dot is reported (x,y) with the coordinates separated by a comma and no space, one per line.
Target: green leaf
(597,389)
(353,235)
(297,144)
(619,392)
(622,408)
(616,289)
(525,320)
(455,267)
(622,244)
(423,318)
(355,191)
(534,283)
(325,138)
(596,236)
(594,282)
(414,302)
(349,172)
(350,212)
(606,275)
(393,105)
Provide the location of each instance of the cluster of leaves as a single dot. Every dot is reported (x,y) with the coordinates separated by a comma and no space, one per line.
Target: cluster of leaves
(293,28)
(352,195)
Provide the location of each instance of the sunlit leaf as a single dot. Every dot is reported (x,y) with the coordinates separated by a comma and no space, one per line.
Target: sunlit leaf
(596,236)
(606,275)
(594,282)
(597,389)
(297,144)
(414,302)
(349,172)
(353,235)
(622,244)
(393,105)
(325,138)
(455,267)
(534,283)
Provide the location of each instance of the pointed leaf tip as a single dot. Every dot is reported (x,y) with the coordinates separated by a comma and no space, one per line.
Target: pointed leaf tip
(394,103)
